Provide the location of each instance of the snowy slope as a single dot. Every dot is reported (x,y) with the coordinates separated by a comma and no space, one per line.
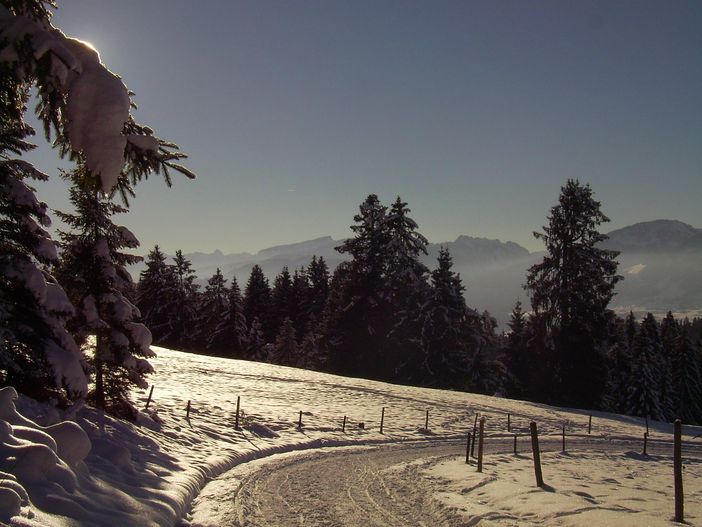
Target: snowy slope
(148,474)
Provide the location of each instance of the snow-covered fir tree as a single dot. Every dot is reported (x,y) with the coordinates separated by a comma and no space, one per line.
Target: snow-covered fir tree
(406,282)
(183,312)
(281,306)
(444,328)
(93,271)
(256,342)
(644,385)
(300,301)
(686,364)
(230,334)
(285,349)
(257,301)
(37,355)
(86,108)
(213,308)
(310,352)
(516,351)
(319,277)
(619,362)
(571,290)
(670,332)
(155,294)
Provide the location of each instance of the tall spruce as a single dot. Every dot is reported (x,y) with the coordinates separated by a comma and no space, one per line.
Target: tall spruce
(644,385)
(570,292)
(363,318)
(444,329)
(154,294)
(230,334)
(687,376)
(257,302)
(93,271)
(213,308)
(281,306)
(516,351)
(285,349)
(183,311)
(319,278)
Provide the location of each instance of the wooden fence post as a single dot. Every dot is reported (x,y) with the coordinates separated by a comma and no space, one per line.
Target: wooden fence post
(677,472)
(537,454)
(563,435)
(480,444)
(382,419)
(515,444)
(426,421)
(509,424)
(187,410)
(238,405)
(645,441)
(589,425)
(299,422)
(148,401)
(468,450)
(343,425)
(475,427)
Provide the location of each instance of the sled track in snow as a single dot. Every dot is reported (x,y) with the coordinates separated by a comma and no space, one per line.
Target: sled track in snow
(379,486)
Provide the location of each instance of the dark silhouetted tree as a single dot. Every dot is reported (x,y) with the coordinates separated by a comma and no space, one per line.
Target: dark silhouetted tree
(570,291)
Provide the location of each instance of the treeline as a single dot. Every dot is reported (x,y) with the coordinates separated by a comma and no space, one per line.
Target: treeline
(384,315)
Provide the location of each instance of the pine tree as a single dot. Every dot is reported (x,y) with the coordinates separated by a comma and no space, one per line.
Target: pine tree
(66,74)
(183,312)
(257,301)
(155,294)
(93,270)
(670,332)
(407,289)
(619,363)
(364,318)
(300,301)
(37,354)
(644,386)
(571,289)
(310,353)
(517,352)
(281,299)
(687,377)
(285,350)
(230,334)
(213,308)
(256,342)
(318,276)
(444,328)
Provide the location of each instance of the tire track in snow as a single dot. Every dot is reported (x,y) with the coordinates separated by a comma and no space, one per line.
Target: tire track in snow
(372,487)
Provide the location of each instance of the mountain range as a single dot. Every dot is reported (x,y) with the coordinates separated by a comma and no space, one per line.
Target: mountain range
(661,262)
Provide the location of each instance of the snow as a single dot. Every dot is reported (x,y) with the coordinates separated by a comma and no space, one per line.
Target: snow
(150,472)
(128,236)
(584,488)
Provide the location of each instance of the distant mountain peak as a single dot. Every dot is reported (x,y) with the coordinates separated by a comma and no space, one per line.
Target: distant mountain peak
(657,235)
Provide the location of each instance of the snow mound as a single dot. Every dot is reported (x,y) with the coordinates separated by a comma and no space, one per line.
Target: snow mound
(34,461)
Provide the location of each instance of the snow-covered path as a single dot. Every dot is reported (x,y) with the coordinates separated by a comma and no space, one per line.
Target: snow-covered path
(387,485)
(341,487)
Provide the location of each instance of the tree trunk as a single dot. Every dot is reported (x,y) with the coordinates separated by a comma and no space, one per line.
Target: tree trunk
(100,344)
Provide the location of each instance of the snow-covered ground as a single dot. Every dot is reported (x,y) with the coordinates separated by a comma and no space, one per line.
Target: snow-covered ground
(150,473)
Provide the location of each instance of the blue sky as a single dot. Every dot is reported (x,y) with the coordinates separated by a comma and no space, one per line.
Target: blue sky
(474,112)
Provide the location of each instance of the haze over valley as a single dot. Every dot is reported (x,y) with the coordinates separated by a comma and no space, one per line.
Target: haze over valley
(660,260)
